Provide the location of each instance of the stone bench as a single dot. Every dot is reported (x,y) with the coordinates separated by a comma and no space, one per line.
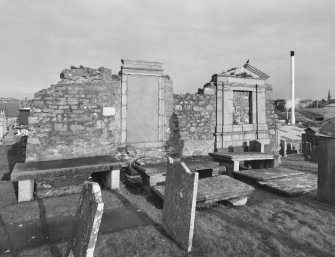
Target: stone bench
(59,177)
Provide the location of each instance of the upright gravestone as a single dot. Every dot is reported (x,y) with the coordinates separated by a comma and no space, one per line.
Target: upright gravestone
(179,203)
(87,221)
(326,172)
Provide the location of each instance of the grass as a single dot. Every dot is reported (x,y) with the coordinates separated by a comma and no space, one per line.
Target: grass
(270,225)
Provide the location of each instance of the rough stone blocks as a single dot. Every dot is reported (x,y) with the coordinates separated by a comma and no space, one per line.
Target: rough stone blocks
(179,203)
(87,221)
(25,190)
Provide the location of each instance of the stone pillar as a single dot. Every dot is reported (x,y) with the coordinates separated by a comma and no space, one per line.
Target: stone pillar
(219,116)
(25,190)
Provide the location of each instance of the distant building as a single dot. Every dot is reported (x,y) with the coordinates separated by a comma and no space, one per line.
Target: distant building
(23,116)
(329,111)
(280,105)
(329,99)
(305,103)
(3,124)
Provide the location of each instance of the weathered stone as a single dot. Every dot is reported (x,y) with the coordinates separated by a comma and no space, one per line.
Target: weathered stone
(77,102)
(60,127)
(292,185)
(267,174)
(326,172)
(76,128)
(180,203)
(87,221)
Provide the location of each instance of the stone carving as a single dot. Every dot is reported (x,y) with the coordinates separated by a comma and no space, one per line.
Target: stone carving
(87,221)
(179,203)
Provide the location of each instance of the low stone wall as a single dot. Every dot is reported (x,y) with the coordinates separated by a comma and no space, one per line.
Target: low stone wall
(78,117)
(192,125)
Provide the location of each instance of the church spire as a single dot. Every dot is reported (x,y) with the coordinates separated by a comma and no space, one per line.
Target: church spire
(329,97)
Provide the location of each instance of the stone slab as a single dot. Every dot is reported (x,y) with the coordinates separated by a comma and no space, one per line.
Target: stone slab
(139,130)
(292,185)
(214,189)
(180,203)
(326,172)
(244,156)
(266,174)
(65,167)
(153,174)
(87,221)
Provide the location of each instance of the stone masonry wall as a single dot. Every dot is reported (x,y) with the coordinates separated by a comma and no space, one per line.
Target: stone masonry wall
(67,120)
(271,119)
(192,125)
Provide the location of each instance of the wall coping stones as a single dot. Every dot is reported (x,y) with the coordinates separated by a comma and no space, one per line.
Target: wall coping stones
(141,67)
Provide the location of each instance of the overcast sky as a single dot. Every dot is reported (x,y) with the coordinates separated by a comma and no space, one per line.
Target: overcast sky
(194,39)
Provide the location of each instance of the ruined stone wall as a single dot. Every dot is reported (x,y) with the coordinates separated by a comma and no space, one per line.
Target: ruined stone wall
(68,120)
(192,125)
(272,121)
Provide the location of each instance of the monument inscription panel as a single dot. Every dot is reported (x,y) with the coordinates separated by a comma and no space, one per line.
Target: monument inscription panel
(142,109)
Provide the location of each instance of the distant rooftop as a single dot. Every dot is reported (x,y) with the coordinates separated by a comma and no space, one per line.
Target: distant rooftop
(11,108)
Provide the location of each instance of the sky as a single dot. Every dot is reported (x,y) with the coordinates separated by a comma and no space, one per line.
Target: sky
(193,39)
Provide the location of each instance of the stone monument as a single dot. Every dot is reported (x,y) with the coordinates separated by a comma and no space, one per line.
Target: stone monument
(87,221)
(179,203)
(326,172)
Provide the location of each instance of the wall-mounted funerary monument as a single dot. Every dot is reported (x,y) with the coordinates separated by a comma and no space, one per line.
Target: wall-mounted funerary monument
(241,104)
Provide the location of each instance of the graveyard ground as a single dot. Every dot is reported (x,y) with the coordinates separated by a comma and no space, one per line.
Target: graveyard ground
(269,225)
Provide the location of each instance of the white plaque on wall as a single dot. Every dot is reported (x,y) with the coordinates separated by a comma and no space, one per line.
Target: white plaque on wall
(108,111)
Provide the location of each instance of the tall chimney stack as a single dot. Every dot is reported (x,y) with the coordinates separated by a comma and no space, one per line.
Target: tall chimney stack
(293,89)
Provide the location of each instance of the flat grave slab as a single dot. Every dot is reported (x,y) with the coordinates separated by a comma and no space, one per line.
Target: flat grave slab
(153,174)
(232,161)
(34,170)
(245,156)
(214,189)
(267,174)
(292,185)
(60,177)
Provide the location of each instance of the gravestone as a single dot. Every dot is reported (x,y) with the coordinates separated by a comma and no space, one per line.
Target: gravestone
(326,172)
(87,221)
(179,203)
